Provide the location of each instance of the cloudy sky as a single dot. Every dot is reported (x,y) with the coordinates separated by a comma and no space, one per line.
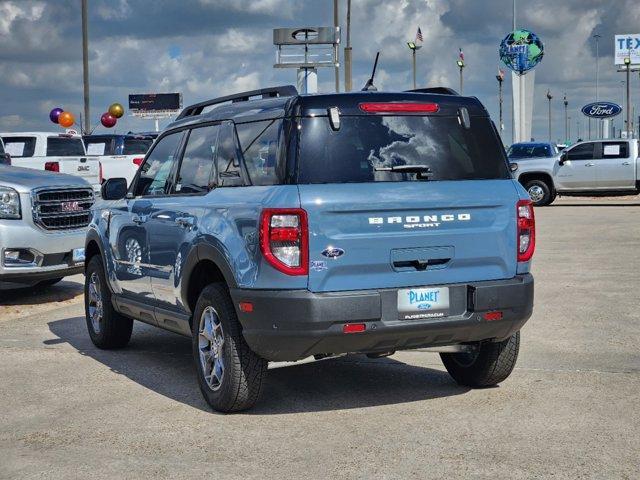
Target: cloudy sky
(207,48)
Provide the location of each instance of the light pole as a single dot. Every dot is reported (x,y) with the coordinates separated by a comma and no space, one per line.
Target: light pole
(413,47)
(85,67)
(347,52)
(460,63)
(569,125)
(566,119)
(500,78)
(549,97)
(598,122)
(627,63)
(336,24)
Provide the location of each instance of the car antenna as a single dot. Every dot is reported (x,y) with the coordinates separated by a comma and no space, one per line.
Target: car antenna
(369,86)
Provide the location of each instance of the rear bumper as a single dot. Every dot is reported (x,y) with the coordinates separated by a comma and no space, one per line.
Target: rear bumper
(294,324)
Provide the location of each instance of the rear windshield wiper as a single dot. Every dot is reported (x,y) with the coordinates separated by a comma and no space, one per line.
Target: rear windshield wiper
(423,171)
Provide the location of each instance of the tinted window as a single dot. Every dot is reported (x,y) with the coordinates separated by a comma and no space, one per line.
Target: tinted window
(99,145)
(65,147)
(530,151)
(155,172)
(363,146)
(229,172)
(20,146)
(136,146)
(259,144)
(584,151)
(615,150)
(196,168)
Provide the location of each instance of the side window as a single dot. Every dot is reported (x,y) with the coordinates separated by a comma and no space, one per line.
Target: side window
(615,150)
(195,175)
(583,151)
(259,144)
(20,147)
(228,159)
(155,172)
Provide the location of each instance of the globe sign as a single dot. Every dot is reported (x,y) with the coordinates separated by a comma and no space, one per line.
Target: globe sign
(521,51)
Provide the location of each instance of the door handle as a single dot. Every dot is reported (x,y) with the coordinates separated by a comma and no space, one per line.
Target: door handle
(590,165)
(186,222)
(137,219)
(626,163)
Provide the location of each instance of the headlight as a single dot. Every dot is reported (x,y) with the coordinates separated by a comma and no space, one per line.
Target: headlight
(9,203)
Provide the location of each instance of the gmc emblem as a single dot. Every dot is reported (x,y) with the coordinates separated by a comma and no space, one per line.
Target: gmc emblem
(70,207)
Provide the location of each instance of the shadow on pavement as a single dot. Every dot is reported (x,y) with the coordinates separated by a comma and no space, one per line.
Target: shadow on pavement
(161,361)
(38,294)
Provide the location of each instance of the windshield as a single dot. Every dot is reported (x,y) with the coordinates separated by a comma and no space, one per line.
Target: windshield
(65,147)
(136,146)
(366,148)
(531,151)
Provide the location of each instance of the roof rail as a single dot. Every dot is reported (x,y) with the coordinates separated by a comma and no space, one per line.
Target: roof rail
(438,90)
(272,92)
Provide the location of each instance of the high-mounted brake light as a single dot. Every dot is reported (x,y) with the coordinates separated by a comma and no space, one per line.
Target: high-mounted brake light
(52,166)
(284,239)
(399,107)
(526,230)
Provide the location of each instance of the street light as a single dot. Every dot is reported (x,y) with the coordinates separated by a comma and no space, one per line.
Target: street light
(627,63)
(413,47)
(566,118)
(460,64)
(549,97)
(598,122)
(500,78)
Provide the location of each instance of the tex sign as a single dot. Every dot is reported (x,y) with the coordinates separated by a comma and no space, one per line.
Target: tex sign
(627,46)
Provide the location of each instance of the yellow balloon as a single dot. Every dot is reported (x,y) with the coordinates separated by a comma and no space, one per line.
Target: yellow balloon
(116,110)
(66,119)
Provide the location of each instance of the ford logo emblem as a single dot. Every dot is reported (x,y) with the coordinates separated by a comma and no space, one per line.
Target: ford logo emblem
(601,110)
(332,252)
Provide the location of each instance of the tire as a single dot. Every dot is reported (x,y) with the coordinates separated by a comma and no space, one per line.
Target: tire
(50,282)
(107,328)
(490,365)
(540,192)
(236,374)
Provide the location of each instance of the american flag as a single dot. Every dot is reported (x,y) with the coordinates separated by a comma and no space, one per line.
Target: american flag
(419,36)
(461,55)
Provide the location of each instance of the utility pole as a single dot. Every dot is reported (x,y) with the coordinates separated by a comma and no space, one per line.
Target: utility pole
(336,23)
(500,78)
(598,122)
(85,68)
(566,119)
(627,63)
(549,97)
(347,53)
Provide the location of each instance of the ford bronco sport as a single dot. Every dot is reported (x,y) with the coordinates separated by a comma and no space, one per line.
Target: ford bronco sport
(272,226)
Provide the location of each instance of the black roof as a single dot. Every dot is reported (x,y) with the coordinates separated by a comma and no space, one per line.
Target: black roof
(247,110)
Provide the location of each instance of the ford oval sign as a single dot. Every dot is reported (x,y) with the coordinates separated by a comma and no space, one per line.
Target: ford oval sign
(333,252)
(601,110)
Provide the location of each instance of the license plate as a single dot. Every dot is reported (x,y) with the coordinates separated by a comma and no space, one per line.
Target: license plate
(417,303)
(78,255)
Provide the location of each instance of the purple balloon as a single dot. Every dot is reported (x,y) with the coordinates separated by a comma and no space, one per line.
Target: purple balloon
(54,114)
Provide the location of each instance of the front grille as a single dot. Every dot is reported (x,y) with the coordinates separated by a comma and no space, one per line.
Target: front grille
(62,208)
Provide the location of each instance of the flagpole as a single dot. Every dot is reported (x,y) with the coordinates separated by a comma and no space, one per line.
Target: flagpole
(413,50)
(413,46)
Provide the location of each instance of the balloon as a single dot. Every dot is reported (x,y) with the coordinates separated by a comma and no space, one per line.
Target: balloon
(65,119)
(116,110)
(54,114)
(107,120)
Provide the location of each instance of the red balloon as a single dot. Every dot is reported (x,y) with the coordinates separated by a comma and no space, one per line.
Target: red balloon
(107,120)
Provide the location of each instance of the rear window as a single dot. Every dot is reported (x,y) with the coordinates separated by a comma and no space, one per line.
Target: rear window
(65,147)
(20,147)
(136,146)
(531,151)
(364,145)
(99,146)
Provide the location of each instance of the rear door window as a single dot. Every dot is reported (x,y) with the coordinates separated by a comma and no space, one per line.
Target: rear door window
(365,148)
(614,150)
(197,166)
(20,147)
(65,147)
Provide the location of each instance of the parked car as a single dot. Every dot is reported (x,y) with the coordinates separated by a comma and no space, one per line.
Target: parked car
(594,167)
(53,152)
(5,158)
(524,150)
(279,226)
(43,224)
(119,155)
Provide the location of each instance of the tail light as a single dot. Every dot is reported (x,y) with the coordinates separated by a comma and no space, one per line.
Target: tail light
(399,107)
(138,161)
(52,166)
(526,230)
(284,239)
(100,177)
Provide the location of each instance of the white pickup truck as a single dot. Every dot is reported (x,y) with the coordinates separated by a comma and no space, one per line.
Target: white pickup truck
(589,168)
(119,155)
(53,152)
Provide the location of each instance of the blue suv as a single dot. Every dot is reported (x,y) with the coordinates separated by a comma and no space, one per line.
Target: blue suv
(273,226)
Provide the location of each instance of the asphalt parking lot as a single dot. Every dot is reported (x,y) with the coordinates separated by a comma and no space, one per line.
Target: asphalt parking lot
(569,410)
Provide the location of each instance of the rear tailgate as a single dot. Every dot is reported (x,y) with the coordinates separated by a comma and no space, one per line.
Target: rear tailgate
(386,235)
(85,167)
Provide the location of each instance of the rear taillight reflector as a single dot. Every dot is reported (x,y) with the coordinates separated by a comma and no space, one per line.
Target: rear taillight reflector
(284,239)
(138,161)
(399,107)
(246,307)
(526,230)
(491,316)
(354,327)
(52,166)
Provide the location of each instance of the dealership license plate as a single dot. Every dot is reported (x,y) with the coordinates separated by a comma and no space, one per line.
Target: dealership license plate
(417,303)
(78,255)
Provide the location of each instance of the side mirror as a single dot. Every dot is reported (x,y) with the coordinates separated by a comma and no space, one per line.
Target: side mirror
(114,189)
(513,167)
(563,158)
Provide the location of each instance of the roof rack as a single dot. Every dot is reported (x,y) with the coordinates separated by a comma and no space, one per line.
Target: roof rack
(272,92)
(438,90)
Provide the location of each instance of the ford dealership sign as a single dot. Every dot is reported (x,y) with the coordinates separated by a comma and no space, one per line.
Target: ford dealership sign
(601,110)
